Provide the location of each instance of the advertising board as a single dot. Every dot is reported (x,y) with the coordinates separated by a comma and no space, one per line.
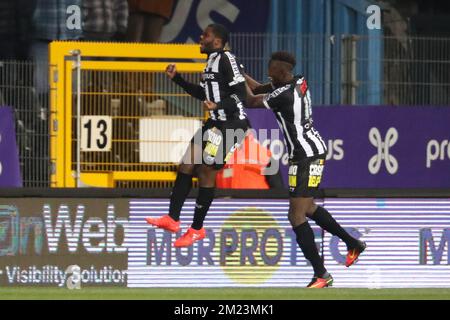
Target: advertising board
(249,243)
(51,242)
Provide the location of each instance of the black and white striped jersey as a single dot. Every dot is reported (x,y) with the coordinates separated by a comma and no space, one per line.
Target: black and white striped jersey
(223,83)
(292,107)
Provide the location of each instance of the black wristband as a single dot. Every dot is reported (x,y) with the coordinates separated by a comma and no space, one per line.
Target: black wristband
(177,78)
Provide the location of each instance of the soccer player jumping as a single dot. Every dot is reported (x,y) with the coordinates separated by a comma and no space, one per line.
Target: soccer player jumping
(223,91)
(289,98)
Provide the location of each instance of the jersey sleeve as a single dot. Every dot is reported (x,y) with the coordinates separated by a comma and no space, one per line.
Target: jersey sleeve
(192,89)
(275,99)
(233,76)
(232,71)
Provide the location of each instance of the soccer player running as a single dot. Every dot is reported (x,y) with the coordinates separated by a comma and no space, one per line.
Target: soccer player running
(223,91)
(289,98)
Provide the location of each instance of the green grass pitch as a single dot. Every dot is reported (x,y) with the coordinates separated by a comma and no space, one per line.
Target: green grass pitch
(223,294)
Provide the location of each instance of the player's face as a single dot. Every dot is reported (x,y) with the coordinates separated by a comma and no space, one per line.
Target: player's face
(276,74)
(207,40)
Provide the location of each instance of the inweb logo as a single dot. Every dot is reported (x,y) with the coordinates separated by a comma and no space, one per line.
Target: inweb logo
(63,242)
(60,230)
(96,235)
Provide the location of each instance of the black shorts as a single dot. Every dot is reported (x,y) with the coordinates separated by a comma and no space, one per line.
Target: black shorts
(219,139)
(305,176)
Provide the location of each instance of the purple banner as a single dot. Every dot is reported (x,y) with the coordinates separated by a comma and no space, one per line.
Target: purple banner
(379,146)
(9,158)
(270,136)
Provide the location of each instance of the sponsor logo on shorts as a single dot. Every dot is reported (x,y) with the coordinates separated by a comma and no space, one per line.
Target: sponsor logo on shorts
(315,174)
(212,145)
(293,177)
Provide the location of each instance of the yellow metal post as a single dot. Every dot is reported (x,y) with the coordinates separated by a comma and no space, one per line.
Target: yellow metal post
(62,96)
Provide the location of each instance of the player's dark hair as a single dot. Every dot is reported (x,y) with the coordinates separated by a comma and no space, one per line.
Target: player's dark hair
(220,31)
(283,56)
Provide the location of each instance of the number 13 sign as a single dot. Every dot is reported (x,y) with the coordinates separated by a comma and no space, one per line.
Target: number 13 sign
(96,132)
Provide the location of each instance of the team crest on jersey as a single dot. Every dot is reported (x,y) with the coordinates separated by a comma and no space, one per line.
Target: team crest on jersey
(302,87)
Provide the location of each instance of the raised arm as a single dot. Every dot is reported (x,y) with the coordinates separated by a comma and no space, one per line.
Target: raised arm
(254,101)
(256,87)
(192,89)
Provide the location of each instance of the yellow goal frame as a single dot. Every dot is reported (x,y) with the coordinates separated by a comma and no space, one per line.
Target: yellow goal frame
(60,79)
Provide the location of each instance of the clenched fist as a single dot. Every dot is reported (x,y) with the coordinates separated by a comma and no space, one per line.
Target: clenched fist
(209,105)
(171,70)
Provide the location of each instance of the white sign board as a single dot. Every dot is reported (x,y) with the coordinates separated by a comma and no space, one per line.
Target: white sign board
(96,133)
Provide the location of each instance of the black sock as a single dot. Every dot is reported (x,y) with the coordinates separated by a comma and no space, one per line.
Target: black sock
(180,191)
(324,219)
(305,240)
(204,200)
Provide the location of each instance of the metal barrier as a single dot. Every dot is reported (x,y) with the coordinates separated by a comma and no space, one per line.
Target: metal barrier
(126,83)
(108,115)
(18,90)
(354,69)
